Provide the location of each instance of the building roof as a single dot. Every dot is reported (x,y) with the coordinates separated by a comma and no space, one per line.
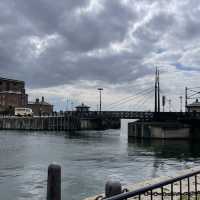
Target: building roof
(39,103)
(10,92)
(11,80)
(82,106)
(194,104)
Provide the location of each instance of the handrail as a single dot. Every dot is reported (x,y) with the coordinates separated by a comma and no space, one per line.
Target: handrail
(152,187)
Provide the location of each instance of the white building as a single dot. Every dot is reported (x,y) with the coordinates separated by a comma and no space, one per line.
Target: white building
(194,107)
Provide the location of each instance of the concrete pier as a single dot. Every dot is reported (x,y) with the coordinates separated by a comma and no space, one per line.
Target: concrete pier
(99,123)
(159,130)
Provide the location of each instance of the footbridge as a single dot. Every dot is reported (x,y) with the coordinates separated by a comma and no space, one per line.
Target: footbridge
(140,115)
(113,114)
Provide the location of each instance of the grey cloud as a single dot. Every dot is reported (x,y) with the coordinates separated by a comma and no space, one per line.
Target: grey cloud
(89,31)
(65,59)
(110,70)
(45,15)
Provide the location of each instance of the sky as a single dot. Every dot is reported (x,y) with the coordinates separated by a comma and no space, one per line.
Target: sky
(64,50)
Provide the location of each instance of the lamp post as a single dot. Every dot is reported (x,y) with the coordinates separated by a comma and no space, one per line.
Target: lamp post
(181,103)
(100,89)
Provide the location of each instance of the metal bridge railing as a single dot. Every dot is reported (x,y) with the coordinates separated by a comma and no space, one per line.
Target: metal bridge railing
(184,187)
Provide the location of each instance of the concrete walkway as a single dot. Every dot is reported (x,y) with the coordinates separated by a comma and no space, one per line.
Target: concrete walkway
(167,189)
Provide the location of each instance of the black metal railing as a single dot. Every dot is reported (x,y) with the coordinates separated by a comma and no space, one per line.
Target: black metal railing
(181,187)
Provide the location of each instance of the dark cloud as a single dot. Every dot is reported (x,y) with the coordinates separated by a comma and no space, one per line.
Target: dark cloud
(48,43)
(89,31)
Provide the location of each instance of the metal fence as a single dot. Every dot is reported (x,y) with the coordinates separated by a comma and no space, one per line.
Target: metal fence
(184,187)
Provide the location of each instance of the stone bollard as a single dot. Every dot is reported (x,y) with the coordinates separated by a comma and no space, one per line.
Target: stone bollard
(54,182)
(113,188)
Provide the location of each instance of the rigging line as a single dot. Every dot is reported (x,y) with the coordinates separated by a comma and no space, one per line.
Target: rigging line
(193,94)
(130,96)
(148,100)
(125,98)
(146,96)
(193,88)
(144,100)
(194,97)
(142,84)
(124,102)
(141,98)
(142,104)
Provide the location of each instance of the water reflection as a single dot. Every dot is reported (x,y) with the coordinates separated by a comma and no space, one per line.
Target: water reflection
(88,160)
(179,149)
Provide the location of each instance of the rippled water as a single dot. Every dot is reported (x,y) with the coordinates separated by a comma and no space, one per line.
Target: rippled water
(88,160)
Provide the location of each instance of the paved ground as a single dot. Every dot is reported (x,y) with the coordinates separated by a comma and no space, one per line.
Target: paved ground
(167,189)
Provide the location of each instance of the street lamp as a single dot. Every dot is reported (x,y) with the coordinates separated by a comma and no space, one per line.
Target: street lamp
(100,89)
(181,103)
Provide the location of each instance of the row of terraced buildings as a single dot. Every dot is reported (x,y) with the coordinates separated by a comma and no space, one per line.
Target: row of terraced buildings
(13,94)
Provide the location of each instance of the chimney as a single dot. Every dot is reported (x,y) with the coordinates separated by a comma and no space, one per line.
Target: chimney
(42,99)
(37,100)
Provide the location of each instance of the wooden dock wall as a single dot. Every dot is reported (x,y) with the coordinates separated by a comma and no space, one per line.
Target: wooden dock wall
(57,123)
(49,123)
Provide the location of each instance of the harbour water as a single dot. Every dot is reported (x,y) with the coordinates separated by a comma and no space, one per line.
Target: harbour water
(88,160)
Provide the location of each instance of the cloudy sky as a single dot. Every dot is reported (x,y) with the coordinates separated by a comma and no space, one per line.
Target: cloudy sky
(66,49)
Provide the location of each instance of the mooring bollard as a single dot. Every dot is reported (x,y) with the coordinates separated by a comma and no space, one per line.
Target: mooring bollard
(113,188)
(54,182)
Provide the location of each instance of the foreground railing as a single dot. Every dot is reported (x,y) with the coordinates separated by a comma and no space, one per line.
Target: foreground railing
(183,187)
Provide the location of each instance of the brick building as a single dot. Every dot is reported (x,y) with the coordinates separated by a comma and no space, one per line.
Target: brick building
(40,107)
(12,94)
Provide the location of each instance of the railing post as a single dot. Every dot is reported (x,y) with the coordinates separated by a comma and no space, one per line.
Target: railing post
(54,182)
(113,188)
